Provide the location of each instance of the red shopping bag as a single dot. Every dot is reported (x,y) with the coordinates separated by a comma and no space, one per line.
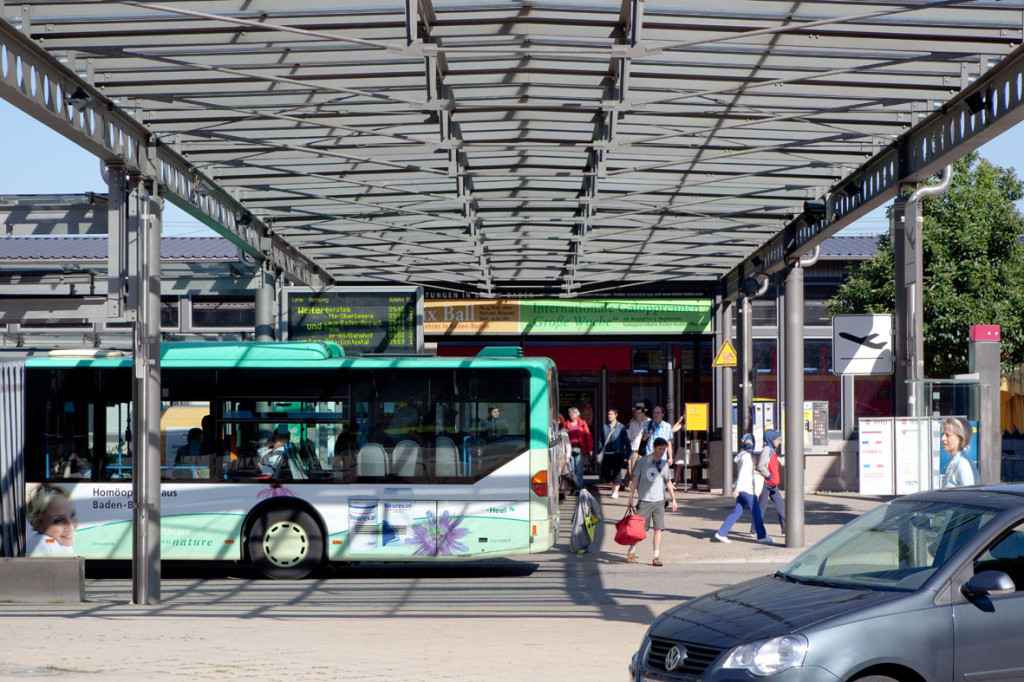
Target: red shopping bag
(630,529)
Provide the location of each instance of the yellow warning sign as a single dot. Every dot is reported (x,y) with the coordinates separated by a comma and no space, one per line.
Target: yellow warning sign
(726,356)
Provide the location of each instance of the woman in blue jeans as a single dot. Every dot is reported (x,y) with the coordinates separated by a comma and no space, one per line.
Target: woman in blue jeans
(582,444)
(743,491)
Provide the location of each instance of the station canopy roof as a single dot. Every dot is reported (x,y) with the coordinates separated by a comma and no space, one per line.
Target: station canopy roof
(528,148)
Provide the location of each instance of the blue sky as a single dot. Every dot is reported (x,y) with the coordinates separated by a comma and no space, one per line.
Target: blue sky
(40,161)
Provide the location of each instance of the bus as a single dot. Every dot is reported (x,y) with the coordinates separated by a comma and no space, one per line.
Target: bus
(289,454)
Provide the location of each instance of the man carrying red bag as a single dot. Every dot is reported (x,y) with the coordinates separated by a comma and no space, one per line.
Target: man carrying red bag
(652,477)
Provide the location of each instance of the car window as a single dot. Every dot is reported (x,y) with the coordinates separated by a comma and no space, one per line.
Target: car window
(897,546)
(1006,555)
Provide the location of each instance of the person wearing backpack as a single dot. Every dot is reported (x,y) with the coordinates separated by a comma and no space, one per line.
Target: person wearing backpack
(613,451)
(768,467)
(743,491)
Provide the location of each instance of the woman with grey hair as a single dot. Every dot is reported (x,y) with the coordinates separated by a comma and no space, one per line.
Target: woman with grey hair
(960,470)
(582,444)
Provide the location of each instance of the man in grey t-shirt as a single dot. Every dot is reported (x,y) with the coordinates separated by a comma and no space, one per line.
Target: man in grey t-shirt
(652,477)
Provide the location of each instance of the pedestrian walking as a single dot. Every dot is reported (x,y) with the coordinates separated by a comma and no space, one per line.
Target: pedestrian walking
(612,452)
(563,449)
(658,428)
(768,466)
(651,480)
(582,444)
(636,430)
(743,490)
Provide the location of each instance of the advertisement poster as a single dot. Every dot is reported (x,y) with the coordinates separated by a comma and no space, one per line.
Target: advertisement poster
(941,457)
(911,454)
(426,528)
(94,520)
(876,456)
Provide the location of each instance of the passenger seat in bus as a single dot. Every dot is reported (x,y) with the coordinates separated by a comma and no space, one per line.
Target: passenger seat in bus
(371,461)
(404,459)
(446,457)
(295,466)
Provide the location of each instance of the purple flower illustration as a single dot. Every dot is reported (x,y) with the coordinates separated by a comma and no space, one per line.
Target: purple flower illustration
(275,490)
(433,535)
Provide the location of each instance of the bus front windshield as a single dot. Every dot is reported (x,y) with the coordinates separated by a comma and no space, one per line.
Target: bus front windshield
(897,546)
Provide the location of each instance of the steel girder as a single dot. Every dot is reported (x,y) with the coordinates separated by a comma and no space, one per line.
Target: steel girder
(533,148)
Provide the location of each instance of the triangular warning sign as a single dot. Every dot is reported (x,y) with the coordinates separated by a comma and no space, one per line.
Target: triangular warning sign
(726,356)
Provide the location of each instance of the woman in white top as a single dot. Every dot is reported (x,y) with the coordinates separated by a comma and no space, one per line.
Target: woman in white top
(743,491)
(52,521)
(960,470)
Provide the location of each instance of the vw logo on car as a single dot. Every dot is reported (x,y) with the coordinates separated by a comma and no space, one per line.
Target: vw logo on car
(674,657)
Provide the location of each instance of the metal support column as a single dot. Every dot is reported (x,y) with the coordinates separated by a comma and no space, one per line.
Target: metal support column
(602,399)
(745,350)
(265,294)
(117,241)
(983,358)
(849,417)
(909,258)
(794,440)
(144,216)
(669,384)
(725,379)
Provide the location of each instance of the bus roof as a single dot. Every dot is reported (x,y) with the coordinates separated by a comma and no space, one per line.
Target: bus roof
(272,354)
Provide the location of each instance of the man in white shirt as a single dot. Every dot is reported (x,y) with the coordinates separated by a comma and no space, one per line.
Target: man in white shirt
(637,427)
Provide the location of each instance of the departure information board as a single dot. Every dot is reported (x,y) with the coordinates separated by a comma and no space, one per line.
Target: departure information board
(361,320)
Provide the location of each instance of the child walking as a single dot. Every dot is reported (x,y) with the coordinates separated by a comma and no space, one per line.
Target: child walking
(743,491)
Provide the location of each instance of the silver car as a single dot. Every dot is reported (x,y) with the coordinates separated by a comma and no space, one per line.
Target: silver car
(924,588)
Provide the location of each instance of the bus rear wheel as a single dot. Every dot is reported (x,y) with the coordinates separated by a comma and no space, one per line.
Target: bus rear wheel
(286,544)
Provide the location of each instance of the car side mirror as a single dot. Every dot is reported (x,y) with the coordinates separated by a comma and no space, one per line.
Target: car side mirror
(989,583)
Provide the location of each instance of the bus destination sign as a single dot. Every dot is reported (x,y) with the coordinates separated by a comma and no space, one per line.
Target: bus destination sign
(361,320)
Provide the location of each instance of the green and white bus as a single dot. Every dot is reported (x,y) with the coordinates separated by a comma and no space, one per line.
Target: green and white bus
(288,455)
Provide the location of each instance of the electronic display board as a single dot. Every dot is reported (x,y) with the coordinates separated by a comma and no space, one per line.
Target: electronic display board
(360,319)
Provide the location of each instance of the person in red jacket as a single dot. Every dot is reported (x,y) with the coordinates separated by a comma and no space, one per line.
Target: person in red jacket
(582,444)
(768,467)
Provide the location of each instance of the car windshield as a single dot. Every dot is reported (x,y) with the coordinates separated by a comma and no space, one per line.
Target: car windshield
(897,546)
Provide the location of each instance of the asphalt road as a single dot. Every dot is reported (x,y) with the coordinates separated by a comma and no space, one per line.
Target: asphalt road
(556,615)
(500,620)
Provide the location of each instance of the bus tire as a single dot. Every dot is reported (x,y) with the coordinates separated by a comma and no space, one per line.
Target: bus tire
(285,544)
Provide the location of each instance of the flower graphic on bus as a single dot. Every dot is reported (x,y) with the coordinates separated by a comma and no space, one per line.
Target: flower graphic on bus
(275,490)
(435,535)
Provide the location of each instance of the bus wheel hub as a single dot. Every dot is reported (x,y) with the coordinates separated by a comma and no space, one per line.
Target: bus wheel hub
(285,543)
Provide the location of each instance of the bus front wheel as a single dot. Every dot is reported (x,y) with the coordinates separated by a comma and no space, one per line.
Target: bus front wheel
(286,544)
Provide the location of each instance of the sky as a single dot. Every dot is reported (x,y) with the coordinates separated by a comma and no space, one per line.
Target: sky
(38,160)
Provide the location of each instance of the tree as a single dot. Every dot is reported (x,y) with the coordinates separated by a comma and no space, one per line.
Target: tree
(973,268)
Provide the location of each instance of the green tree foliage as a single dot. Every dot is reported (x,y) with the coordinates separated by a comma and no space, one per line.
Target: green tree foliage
(973,268)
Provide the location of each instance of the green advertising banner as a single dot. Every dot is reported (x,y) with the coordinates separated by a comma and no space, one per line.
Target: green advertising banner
(568,316)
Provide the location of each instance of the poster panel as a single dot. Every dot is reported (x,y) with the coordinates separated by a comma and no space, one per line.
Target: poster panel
(876,456)
(912,455)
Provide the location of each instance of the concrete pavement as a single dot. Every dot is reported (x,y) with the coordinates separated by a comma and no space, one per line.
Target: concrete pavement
(688,531)
(554,614)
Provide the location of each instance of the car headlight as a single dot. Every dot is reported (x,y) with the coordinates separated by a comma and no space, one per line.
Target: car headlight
(769,656)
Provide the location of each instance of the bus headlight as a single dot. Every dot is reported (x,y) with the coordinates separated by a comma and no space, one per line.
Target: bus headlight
(770,656)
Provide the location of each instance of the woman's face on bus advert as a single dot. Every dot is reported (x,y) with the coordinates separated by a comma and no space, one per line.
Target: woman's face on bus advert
(59,521)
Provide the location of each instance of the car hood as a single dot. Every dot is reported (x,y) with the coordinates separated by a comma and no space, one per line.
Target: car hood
(759,608)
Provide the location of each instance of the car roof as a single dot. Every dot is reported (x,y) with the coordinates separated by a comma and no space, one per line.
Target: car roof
(1002,496)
